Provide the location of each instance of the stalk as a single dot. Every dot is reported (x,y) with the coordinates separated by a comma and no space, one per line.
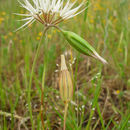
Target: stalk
(42,97)
(65,115)
(30,81)
(43,86)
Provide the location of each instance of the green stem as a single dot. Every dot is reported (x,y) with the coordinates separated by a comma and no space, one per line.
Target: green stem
(65,115)
(43,86)
(42,94)
(30,81)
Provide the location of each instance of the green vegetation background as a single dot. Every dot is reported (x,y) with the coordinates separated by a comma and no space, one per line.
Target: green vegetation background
(107,29)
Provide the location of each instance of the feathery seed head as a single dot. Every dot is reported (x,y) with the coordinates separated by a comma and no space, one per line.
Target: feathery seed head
(49,12)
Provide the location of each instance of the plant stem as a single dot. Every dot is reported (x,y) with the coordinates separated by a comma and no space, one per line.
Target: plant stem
(30,81)
(43,85)
(65,115)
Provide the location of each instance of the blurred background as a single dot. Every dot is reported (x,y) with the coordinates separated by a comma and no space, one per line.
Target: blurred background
(105,26)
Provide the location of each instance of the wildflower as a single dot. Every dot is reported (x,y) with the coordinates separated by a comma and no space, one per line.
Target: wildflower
(54,31)
(15,38)
(10,33)
(5,37)
(38,38)
(40,34)
(49,12)
(92,20)
(3,13)
(120,50)
(117,91)
(97,6)
(20,41)
(1,20)
(49,36)
(128,17)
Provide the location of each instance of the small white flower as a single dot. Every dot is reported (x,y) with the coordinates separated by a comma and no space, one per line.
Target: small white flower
(49,12)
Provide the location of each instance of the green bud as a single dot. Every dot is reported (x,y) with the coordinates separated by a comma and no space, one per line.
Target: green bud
(82,45)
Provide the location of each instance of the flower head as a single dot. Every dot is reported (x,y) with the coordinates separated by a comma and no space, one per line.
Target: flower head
(49,12)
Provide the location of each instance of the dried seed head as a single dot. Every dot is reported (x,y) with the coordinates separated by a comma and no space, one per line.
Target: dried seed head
(65,82)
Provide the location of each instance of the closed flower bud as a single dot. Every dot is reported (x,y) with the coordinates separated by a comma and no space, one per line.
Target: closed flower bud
(65,82)
(82,45)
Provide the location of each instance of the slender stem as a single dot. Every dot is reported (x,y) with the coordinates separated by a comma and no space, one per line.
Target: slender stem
(42,96)
(43,86)
(42,100)
(65,115)
(30,81)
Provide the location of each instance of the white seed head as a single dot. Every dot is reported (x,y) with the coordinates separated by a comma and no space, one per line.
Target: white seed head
(49,12)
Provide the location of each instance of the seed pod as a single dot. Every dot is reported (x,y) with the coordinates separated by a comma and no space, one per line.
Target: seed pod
(82,45)
(65,82)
